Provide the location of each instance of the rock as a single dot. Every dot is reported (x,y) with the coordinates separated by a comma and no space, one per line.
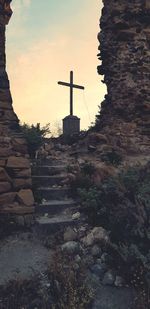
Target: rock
(76,216)
(2,162)
(88,240)
(77,258)
(96,251)
(5,152)
(109,278)
(18,162)
(119,282)
(7,198)
(22,173)
(97,138)
(25,197)
(99,270)
(98,234)
(71,247)
(5,187)
(91,148)
(24,183)
(70,235)
(4,176)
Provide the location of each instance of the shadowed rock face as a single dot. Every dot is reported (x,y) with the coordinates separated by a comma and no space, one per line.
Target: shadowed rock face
(15,172)
(125,53)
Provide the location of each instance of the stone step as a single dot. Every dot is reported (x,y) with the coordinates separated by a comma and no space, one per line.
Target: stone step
(54,206)
(54,223)
(50,162)
(48,170)
(49,193)
(48,180)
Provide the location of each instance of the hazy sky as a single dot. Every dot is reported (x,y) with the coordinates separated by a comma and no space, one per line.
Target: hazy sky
(45,40)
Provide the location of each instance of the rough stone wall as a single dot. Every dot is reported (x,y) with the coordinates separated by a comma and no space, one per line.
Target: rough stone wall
(15,172)
(125,54)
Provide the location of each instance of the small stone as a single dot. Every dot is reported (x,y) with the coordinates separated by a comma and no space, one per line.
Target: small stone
(71,247)
(96,250)
(70,234)
(99,270)
(119,282)
(77,258)
(109,278)
(76,216)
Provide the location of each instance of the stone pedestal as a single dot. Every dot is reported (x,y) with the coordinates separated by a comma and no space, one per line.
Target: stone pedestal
(71,125)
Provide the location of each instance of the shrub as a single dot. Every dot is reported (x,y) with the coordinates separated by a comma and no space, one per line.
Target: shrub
(112,157)
(70,290)
(34,134)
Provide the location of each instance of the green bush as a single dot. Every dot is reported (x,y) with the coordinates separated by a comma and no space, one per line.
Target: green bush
(112,157)
(34,134)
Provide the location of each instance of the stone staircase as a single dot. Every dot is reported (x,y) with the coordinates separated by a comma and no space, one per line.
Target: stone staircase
(55,206)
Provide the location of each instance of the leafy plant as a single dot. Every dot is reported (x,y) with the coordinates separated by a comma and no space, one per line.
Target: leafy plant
(35,135)
(112,157)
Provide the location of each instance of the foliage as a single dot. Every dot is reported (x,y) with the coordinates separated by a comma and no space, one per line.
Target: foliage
(112,157)
(70,290)
(35,135)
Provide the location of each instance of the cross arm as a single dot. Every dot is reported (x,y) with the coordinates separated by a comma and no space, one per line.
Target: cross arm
(78,87)
(71,85)
(64,84)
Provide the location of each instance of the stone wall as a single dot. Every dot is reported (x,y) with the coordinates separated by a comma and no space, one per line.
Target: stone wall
(15,172)
(125,54)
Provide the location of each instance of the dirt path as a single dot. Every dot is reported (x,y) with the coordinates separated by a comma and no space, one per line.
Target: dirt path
(22,256)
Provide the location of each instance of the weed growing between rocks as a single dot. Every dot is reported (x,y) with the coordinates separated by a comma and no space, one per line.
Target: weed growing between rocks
(70,290)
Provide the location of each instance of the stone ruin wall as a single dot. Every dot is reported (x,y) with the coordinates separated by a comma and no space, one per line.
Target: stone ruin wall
(15,173)
(125,55)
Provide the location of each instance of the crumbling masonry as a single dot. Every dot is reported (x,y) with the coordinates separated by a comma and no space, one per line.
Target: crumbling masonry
(15,173)
(125,54)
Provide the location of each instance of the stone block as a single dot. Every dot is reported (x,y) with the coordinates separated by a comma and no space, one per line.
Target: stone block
(25,197)
(18,162)
(24,183)
(5,187)
(5,151)
(7,198)
(22,173)
(2,162)
(147,4)
(4,176)
(17,209)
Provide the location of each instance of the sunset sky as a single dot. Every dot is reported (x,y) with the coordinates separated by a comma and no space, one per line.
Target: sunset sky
(45,40)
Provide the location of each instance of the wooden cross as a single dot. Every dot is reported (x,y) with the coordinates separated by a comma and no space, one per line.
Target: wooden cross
(71,85)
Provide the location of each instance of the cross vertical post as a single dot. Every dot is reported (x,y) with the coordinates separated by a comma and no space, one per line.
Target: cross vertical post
(71,93)
(71,85)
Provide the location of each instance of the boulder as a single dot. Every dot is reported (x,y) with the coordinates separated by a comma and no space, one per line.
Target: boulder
(25,197)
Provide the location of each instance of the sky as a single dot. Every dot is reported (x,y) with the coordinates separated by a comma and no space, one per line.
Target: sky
(46,39)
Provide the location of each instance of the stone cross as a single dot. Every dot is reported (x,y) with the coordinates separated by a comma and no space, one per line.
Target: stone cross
(71,85)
